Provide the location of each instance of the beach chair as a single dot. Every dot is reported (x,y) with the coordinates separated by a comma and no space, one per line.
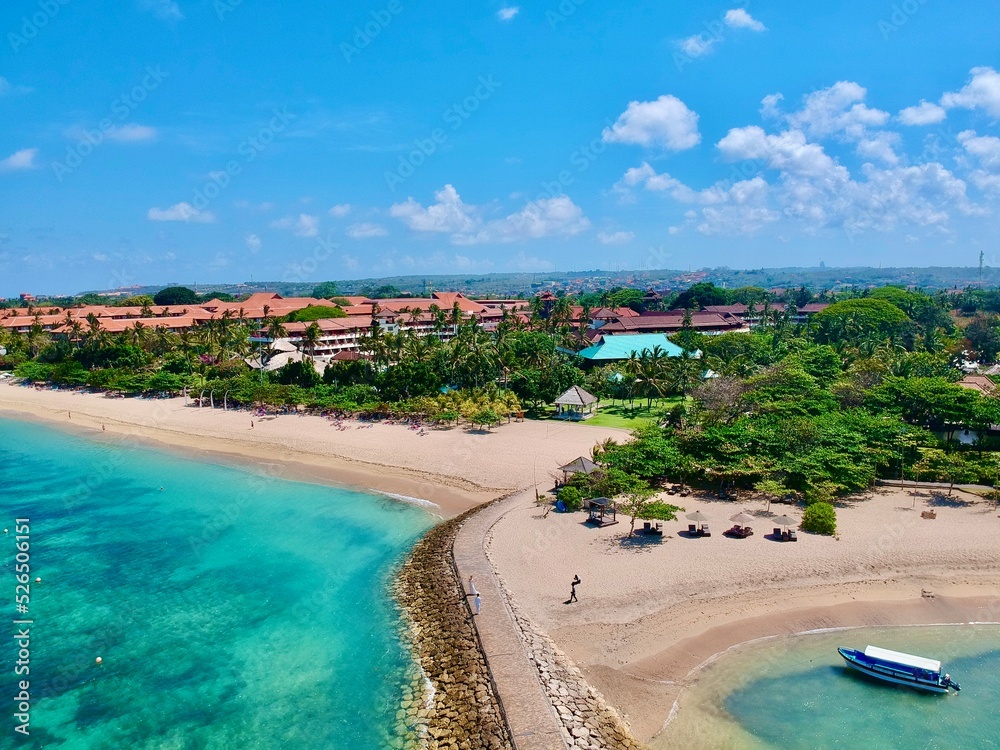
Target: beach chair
(777,534)
(647,527)
(692,529)
(561,506)
(705,531)
(747,531)
(792,537)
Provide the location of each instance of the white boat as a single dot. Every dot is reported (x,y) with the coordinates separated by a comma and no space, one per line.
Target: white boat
(899,668)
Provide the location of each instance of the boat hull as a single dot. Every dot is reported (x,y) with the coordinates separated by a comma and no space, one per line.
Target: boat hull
(895,679)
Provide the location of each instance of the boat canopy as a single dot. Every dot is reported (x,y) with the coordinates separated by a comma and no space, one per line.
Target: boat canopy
(918,662)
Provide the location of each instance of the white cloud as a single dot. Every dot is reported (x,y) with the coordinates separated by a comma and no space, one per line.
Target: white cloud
(769,107)
(666,122)
(546,217)
(253,243)
(365,230)
(986,148)
(615,238)
(738,18)
(131,132)
(305,225)
(349,261)
(23,159)
(508,13)
(698,45)
(646,176)
(182,211)
(813,192)
(165,10)
(839,109)
(881,146)
(449,214)
(982,92)
(925,113)
(788,152)
(340,210)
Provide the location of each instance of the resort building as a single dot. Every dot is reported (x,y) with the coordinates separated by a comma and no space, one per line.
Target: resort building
(616,348)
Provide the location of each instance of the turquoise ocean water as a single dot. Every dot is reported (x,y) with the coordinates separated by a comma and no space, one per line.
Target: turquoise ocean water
(231,609)
(794,693)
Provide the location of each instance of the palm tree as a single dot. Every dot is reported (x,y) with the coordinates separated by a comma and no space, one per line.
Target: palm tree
(685,372)
(311,337)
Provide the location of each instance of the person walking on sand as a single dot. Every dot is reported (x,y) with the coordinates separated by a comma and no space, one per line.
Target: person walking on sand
(572,588)
(251,424)
(477,604)
(472,588)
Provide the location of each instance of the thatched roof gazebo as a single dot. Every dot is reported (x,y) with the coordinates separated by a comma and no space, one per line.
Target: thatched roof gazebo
(582,465)
(575,404)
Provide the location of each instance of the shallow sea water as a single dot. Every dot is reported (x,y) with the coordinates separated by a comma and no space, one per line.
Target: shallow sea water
(231,609)
(796,693)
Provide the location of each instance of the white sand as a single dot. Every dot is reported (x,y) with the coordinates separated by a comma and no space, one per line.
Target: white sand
(649,614)
(455,468)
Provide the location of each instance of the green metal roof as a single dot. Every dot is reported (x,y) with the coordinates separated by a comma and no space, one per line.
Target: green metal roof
(621,347)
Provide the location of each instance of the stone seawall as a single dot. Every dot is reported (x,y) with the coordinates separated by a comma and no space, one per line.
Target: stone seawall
(453,703)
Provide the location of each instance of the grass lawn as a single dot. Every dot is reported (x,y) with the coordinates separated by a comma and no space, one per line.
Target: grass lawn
(619,414)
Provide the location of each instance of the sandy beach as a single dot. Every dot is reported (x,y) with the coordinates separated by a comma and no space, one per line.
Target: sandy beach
(454,468)
(650,615)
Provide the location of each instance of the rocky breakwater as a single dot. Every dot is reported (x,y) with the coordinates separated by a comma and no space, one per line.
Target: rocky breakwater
(453,704)
(588,721)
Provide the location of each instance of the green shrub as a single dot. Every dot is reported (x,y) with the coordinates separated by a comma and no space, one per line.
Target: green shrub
(820,518)
(571,498)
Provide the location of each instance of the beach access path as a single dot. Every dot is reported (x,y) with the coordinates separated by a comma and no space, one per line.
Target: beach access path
(531,718)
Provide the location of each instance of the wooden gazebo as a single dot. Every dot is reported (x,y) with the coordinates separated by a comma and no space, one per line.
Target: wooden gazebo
(602,512)
(575,404)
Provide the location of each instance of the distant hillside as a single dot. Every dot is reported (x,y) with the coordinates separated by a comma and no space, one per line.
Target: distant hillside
(526,284)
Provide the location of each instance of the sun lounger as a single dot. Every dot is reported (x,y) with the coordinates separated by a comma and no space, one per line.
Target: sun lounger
(777,534)
(792,537)
(705,531)
(692,529)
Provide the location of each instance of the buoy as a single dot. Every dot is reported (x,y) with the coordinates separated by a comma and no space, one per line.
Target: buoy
(99,660)
(38,580)
(5,531)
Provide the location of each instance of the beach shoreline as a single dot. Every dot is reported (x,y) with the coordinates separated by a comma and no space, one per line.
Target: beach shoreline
(455,469)
(650,619)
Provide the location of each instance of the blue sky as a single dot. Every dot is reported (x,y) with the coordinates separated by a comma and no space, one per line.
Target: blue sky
(154,141)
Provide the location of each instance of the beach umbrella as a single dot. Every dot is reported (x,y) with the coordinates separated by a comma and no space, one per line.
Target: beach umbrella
(697,517)
(785,521)
(742,519)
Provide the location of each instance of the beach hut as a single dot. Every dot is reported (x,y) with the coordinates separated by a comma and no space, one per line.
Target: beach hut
(575,404)
(602,512)
(582,465)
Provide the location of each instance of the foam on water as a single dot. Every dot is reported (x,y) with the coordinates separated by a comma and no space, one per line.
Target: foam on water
(231,609)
